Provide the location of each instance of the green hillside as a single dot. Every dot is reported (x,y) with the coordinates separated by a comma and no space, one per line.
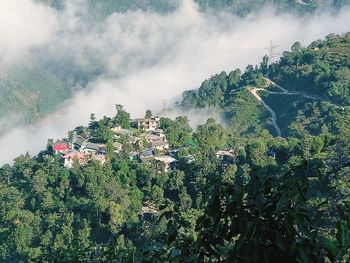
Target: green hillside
(246,7)
(286,108)
(103,8)
(322,69)
(315,80)
(122,190)
(31,92)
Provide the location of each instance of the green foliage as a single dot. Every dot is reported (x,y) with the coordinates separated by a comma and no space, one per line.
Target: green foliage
(287,108)
(321,69)
(244,115)
(178,132)
(122,118)
(37,91)
(269,217)
(148,114)
(264,220)
(266,206)
(212,92)
(101,130)
(253,76)
(243,8)
(277,199)
(226,93)
(211,136)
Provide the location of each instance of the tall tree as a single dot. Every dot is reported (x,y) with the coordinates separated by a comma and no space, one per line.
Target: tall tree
(122,117)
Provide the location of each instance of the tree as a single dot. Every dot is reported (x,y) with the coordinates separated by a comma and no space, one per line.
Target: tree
(116,217)
(178,132)
(70,137)
(252,77)
(122,118)
(264,65)
(102,132)
(296,47)
(211,135)
(148,114)
(93,122)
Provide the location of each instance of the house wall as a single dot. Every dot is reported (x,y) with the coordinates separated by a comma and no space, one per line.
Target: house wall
(162,147)
(150,126)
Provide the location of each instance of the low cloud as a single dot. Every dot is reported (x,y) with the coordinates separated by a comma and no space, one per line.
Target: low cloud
(146,60)
(24,25)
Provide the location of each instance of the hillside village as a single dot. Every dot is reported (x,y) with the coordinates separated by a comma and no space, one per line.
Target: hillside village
(144,141)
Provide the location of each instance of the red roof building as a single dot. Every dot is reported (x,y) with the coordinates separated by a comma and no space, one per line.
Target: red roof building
(70,157)
(60,147)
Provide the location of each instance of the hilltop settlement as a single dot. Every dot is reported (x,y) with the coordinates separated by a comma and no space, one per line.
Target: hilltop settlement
(141,139)
(145,140)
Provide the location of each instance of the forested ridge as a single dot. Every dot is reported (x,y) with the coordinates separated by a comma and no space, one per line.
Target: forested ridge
(236,194)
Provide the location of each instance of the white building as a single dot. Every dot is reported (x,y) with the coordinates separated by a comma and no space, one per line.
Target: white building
(148,124)
(69,159)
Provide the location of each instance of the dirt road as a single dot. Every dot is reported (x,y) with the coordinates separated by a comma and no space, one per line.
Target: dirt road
(253,91)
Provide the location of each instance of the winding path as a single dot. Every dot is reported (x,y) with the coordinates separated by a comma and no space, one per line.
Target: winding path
(254,92)
(286,92)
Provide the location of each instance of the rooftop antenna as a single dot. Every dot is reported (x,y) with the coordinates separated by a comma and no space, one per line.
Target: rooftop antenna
(272,54)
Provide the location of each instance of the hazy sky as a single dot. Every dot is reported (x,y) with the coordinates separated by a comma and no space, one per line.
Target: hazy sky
(147,59)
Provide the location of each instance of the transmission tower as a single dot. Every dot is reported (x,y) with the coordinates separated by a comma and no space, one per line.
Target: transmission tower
(272,51)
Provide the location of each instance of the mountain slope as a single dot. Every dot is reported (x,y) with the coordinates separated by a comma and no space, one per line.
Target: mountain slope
(322,69)
(313,79)
(31,92)
(235,194)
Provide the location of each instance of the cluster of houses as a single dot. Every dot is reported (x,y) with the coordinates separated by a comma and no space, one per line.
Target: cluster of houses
(146,142)
(80,150)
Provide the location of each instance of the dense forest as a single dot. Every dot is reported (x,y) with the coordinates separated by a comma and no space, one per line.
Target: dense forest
(236,193)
